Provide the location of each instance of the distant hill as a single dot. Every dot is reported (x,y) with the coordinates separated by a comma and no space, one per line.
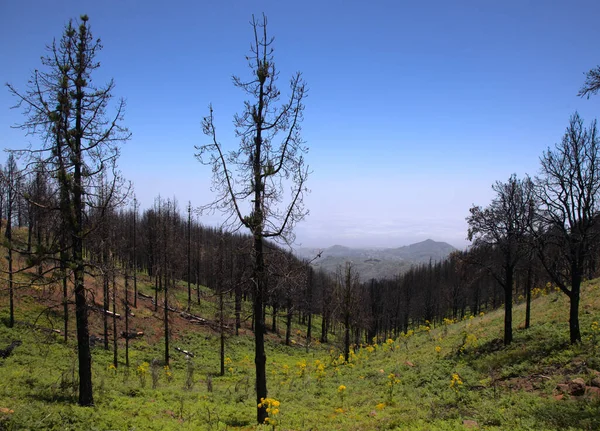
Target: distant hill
(378,262)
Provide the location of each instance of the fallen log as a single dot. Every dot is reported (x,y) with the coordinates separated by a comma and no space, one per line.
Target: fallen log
(185,352)
(192,318)
(143,295)
(102,310)
(39,328)
(5,353)
(132,335)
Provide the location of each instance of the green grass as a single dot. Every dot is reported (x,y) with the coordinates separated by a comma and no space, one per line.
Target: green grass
(501,387)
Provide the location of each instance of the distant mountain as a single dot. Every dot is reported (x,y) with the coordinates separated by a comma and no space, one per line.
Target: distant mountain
(378,262)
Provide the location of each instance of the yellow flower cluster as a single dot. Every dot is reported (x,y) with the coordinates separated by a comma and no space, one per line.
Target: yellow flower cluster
(301,368)
(456,381)
(143,368)
(168,373)
(320,370)
(392,379)
(272,408)
(341,389)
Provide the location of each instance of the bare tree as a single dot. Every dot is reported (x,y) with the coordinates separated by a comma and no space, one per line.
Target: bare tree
(568,190)
(503,227)
(80,148)
(348,300)
(591,84)
(9,178)
(250,181)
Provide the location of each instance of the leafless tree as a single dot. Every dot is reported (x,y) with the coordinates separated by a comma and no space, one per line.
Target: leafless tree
(250,182)
(348,300)
(502,227)
(80,147)
(591,84)
(568,190)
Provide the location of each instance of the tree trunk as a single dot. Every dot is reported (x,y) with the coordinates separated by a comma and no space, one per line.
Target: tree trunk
(574,331)
(260,358)
(63,274)
(127,318)
(84,355)
(134,257)
(115,332)
(274,322)
(288,323)
(166,319)
(528,296)
(238,307)
(189,257)
(222,331)
(106,303)
(508,296)
(346,336)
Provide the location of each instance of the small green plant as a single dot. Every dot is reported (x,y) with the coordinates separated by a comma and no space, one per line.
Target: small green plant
(342,393)
(229,364)
(142,372)
(320,373)
(595,328)
(469,342)
(455,382)
(301,365)
(154,370)
(189,375)
(393,380)
(168,373)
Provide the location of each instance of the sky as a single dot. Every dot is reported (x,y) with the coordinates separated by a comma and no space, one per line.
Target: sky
(414,108)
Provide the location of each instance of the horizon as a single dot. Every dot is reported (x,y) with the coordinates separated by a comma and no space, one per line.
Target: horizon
(413,111)
(367,247)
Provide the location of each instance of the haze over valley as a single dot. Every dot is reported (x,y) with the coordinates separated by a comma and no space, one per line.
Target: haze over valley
(377,263)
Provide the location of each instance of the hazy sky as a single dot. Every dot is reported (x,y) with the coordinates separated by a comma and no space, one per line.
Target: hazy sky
(414,108)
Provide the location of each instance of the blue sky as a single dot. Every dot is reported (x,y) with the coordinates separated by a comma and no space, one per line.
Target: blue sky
(414,108)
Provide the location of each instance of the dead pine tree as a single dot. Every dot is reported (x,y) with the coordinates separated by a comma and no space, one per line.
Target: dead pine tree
(251,181)
(80,148)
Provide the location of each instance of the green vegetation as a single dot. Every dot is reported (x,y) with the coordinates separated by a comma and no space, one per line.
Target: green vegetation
(449,377)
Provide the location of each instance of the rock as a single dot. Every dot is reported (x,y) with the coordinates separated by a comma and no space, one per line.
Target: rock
(470,424)
(595,382)
(577,387)
(562,388)
(559,397)
(593,392)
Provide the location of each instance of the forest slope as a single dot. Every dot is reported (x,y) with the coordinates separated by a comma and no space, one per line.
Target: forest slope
(450,376)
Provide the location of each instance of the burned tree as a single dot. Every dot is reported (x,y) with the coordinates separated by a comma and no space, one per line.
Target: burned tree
(501,229)
(80,147)
(250,181)
(568,189)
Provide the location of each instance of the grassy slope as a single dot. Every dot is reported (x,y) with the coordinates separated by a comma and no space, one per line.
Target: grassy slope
(402,385)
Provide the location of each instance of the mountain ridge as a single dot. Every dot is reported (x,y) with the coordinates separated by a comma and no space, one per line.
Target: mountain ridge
(377,262)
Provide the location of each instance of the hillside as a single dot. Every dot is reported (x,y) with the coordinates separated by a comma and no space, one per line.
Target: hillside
(455,375)
(378,262)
